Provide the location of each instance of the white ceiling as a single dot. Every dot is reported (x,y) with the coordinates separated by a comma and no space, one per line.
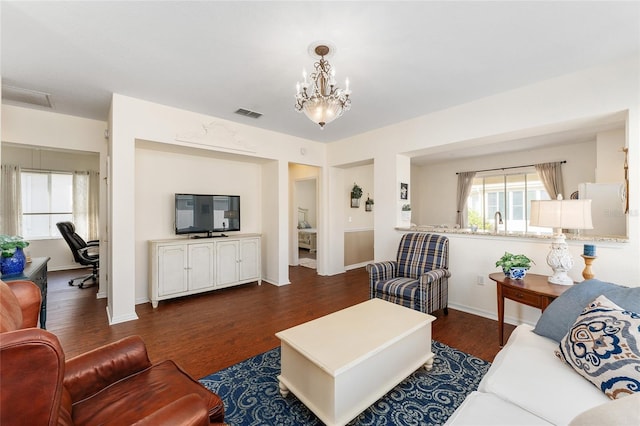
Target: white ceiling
(403,59)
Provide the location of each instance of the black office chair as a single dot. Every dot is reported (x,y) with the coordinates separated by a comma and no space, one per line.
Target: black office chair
(85,253)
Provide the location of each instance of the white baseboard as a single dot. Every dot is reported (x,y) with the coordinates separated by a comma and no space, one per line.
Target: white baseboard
(275,282)
(488,314)
(122,318)
(67,267)
(142,300)
(357,265)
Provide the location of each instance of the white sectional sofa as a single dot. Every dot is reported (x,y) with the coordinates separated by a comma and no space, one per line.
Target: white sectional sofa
(527,384)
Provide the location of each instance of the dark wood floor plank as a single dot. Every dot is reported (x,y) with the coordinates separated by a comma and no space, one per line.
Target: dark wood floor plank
(205,333)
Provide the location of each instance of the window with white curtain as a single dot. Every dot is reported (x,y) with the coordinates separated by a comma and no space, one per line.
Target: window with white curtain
(507,193)
(47,198)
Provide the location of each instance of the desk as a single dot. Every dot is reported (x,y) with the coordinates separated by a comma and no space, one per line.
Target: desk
(36,271)
(534,290)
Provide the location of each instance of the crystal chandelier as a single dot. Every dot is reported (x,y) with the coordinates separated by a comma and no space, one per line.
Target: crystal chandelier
(320,99)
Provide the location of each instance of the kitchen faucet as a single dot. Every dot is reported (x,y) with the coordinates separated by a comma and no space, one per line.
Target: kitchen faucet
(497,219)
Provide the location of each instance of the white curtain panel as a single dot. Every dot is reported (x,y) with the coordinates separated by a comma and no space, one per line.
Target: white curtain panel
(94,197)
(81,203)
(10,200)
(86,188)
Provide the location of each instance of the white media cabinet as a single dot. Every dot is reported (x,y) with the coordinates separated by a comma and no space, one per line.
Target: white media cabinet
(183,266)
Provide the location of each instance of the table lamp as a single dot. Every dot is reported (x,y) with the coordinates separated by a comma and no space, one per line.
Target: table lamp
(560,214)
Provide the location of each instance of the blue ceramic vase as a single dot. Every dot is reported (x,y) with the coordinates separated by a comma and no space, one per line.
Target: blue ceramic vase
(13,265)
(518,273)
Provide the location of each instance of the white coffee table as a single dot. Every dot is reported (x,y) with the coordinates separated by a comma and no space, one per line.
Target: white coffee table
(340,364)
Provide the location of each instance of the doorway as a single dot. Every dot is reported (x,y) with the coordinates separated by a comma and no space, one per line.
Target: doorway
(304,217)
(307,222)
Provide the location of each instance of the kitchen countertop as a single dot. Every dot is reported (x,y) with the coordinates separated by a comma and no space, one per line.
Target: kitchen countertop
(467,231)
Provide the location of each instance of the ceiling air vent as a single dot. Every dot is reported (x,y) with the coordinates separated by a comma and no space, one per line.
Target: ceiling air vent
(248,113)
(26,96)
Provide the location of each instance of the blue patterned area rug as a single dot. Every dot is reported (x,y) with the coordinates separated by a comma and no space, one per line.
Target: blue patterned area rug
(251,396)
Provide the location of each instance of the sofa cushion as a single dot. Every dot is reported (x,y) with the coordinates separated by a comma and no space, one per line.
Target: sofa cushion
(527,373)
(620,412)
(560,315)
(603,346)
(486,409)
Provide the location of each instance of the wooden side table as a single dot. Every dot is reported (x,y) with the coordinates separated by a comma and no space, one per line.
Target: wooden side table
(534,290)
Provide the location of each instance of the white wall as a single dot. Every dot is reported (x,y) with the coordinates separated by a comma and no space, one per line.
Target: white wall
(274,250)
(610,157)
(474,256)
(160,174)
(306,195)
(357,218)
(439,181)
(587,94)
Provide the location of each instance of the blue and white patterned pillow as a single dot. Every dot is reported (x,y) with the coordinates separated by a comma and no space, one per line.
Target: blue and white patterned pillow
(604,347)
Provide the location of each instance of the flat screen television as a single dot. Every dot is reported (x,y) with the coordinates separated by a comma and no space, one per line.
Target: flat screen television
(197,214)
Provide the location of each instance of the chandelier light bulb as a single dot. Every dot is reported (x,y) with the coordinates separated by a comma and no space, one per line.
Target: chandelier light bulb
(325,101)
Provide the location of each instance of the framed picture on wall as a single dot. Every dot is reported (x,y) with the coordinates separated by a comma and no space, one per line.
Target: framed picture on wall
(404,191)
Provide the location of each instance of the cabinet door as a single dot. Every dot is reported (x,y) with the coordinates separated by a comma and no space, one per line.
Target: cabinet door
(249,259)
(200,269)
(227,262)
(172,269)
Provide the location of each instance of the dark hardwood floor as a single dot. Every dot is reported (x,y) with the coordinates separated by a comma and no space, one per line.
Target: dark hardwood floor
(205,333)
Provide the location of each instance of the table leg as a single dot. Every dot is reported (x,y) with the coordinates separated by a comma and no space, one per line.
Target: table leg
(429,364)
(284,390)
(43,313)
(41,281)
(500,314)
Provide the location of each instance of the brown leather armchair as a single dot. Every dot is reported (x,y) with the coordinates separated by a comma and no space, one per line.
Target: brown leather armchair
(113,385)
(19,305)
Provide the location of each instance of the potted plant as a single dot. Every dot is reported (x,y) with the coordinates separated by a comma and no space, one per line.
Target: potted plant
(356,194)
(514,265)
(12,260)
(368,203)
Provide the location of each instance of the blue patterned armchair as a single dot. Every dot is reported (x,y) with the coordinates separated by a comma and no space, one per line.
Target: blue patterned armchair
(419,278)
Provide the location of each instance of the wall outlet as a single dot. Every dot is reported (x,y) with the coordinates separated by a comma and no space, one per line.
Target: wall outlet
(480,280)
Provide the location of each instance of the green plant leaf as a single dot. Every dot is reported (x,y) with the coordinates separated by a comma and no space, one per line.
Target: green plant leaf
(9,244)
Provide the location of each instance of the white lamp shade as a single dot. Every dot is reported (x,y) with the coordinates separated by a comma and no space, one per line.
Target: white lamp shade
(565,214)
